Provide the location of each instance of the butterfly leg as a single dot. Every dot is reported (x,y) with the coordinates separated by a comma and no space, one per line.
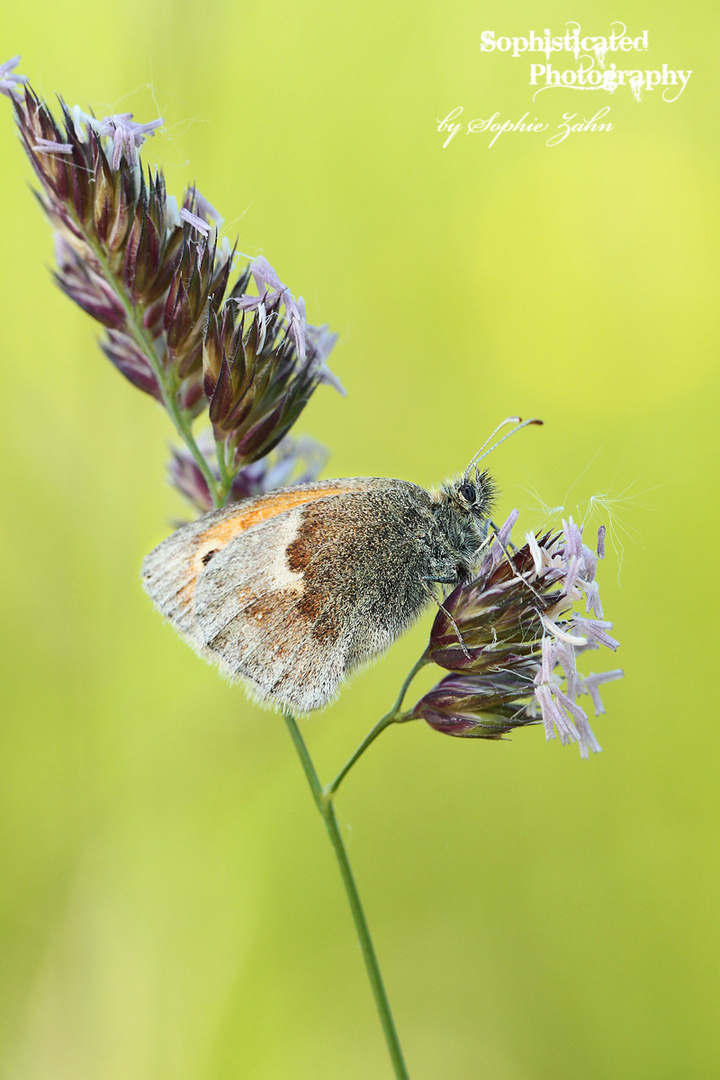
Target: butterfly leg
(445,581)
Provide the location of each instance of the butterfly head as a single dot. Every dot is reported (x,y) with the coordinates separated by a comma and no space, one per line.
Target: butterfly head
(470,495)
(461,516)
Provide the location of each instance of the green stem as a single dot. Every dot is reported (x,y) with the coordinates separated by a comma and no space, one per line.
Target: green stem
(386,721)
(147,346)
(325,806)
(226,478)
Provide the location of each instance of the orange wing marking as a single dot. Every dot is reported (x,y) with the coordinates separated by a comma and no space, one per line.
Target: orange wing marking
(241,519)
(217,536)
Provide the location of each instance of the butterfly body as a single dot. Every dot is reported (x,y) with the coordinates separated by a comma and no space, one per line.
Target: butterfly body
(293,590)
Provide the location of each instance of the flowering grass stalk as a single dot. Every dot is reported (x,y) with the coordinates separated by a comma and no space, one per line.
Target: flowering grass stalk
(157,277)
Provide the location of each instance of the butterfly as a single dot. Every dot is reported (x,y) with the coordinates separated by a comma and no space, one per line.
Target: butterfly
(293,590)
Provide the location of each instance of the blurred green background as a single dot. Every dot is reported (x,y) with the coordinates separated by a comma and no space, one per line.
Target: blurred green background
(170,907)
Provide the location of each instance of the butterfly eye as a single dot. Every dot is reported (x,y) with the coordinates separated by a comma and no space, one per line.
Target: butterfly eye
(468,493)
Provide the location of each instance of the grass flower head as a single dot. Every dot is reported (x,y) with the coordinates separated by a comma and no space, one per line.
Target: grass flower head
(512,636)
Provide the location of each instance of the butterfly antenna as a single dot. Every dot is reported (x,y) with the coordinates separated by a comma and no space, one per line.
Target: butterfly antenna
(510,420)
(491,436)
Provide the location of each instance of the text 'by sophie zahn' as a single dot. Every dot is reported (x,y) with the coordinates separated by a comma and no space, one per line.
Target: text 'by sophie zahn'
(495,125)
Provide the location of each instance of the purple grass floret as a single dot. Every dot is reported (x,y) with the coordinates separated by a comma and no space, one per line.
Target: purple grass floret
(477,706)
(49,146)
(601,542)
(589,685)
(196,222)
(10,82)
(127,136)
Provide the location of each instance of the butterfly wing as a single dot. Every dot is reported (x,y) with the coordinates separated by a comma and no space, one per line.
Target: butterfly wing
(293,590)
